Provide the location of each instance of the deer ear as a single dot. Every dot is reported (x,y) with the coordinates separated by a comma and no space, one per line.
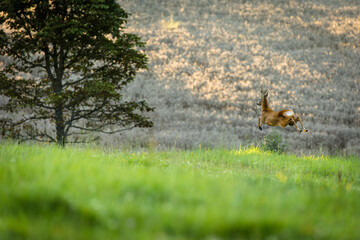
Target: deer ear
(266,92)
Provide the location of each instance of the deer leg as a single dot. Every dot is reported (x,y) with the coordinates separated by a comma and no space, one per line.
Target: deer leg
(294,122)
(260,124)
(302,125)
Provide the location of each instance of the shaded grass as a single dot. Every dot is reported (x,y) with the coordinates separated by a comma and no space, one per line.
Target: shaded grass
(52,193)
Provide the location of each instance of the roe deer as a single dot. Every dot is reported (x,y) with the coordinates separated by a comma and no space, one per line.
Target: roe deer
(271,118)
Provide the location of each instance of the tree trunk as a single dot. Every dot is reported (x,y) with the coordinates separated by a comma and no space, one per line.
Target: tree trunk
(59,114)
(60,126)
(58,59)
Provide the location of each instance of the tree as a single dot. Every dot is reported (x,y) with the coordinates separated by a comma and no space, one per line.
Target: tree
(68,62)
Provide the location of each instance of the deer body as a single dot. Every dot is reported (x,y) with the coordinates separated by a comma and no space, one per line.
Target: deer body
(272,118)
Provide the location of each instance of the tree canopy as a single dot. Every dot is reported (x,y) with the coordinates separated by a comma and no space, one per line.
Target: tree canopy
(68,62)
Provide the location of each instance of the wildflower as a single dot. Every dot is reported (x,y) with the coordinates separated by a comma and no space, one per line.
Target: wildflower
(281,177)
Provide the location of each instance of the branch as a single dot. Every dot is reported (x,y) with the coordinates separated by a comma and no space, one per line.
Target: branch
(74,119)
(36,137)
(98,129)
(29,119)
(85,115)
(75,59)
(47,65)
(26,95)
(97,70)
(32,64)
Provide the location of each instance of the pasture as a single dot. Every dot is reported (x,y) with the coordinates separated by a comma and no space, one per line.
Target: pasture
(48,192)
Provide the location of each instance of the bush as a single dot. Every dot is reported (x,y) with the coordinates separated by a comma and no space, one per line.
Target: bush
(274,142)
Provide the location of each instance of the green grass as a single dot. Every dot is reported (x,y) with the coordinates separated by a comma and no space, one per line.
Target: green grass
(52,193)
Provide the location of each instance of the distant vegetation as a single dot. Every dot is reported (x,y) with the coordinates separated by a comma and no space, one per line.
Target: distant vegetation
(53,193)
(208,60)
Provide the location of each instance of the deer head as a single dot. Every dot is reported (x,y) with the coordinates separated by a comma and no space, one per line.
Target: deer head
(258,102)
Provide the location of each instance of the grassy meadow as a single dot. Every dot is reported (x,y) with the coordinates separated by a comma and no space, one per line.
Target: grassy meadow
(48,192)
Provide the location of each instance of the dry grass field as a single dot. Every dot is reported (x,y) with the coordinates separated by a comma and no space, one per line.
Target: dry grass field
(209,59)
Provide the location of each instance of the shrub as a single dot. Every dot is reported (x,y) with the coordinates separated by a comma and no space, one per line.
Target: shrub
(274,142)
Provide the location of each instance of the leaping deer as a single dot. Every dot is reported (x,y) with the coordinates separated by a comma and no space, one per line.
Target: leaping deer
(271,118)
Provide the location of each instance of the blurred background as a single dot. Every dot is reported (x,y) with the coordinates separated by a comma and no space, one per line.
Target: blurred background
(208,60)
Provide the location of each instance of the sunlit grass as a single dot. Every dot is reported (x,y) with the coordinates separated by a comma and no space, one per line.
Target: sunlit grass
(52,193)
(171,24)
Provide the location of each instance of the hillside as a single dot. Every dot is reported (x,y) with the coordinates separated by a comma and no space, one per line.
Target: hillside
(208,60)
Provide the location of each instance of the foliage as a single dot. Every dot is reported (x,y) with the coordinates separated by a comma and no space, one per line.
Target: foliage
(274,142)
(69,61)
(70,193)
